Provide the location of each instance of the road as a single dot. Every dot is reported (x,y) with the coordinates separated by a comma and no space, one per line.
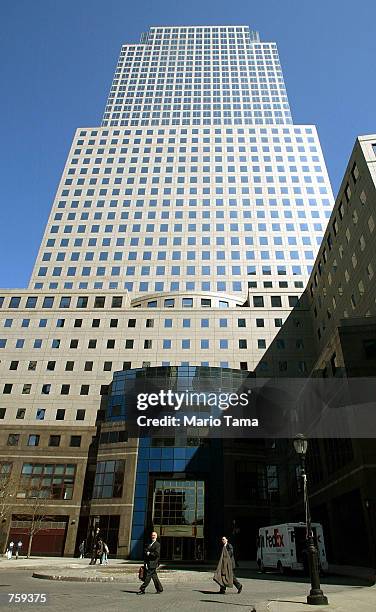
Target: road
(199,592)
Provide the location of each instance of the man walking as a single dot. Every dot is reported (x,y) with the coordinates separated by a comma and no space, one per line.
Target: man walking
(151,561)
(224,575)
(94,548)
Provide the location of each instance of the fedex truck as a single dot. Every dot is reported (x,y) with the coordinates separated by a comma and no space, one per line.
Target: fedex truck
(283,547)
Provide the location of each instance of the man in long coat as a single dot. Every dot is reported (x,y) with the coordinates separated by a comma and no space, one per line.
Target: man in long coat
(224,574)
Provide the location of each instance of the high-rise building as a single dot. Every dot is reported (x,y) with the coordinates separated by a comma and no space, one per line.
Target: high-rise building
(183,231)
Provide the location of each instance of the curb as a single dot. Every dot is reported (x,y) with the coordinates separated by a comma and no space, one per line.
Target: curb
(73,578)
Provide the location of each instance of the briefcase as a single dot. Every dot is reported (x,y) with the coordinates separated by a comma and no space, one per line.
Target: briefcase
(141,572)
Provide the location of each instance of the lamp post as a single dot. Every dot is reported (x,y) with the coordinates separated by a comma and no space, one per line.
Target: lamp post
(316,597)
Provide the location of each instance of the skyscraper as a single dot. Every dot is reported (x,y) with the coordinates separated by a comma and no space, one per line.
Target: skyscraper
(182,233)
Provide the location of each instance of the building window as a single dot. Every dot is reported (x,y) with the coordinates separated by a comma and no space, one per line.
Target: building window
(33,440)
(82,302)
(109,479)
(80,414)
(293,300)
(75,441)
(60,414)
(260,323)
(276,301)
(99,302)
(20,414)
(84,390)
(258,301)
(13,439)
(242,343)
(54,440)
(47,481)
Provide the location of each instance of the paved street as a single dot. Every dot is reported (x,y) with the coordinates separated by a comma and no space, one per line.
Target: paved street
(184,590)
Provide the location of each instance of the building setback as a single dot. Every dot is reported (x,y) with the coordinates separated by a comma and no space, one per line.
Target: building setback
(183,232)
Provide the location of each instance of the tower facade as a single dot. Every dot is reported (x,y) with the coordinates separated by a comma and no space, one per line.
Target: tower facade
(182,233)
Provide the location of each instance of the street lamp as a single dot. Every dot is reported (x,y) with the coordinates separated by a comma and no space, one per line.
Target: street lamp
(316,597)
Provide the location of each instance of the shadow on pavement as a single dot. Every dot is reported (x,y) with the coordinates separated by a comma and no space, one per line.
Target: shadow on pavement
(227,603)
(334,579)
(300,603)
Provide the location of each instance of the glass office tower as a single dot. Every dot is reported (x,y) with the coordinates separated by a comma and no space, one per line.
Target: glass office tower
(182,233)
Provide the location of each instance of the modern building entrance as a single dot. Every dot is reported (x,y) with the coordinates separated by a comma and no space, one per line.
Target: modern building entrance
(178,517)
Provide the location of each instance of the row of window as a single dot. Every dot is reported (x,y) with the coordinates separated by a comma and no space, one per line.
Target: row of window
(222,343)
(258,302)
(34,440)
(40,414)
(183,132)
(64,302)
(145,286)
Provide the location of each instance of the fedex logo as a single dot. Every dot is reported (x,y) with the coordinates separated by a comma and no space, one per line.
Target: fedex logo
(274,540)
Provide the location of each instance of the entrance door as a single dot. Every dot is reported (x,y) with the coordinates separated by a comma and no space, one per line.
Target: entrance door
(177,550)
(178,517)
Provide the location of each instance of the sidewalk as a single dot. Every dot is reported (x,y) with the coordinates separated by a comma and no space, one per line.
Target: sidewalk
(365,573)
(362,599)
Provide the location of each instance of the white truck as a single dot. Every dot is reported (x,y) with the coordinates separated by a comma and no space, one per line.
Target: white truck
(283,547)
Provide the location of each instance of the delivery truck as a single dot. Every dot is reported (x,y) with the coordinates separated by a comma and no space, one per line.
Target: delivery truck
(284,547)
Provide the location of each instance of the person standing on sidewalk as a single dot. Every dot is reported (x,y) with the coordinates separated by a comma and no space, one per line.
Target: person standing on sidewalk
(10,549)
(224,574)
(104,558)
(18,549)
(81,549)
(151,561)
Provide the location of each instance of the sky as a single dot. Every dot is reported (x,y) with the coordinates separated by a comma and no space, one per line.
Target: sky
(56,68)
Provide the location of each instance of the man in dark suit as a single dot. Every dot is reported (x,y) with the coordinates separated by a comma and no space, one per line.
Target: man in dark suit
(230,551)
(151,561)
(94,547)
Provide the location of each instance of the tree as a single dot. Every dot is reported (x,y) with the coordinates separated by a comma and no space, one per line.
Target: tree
(8,486)
(37,516)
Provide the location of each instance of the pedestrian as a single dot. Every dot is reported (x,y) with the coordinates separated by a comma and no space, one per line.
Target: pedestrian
(152,555)
(81,549)
(100,550)
(10,549)
(18,549)
(224,574)
(94,547)
(104,558)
